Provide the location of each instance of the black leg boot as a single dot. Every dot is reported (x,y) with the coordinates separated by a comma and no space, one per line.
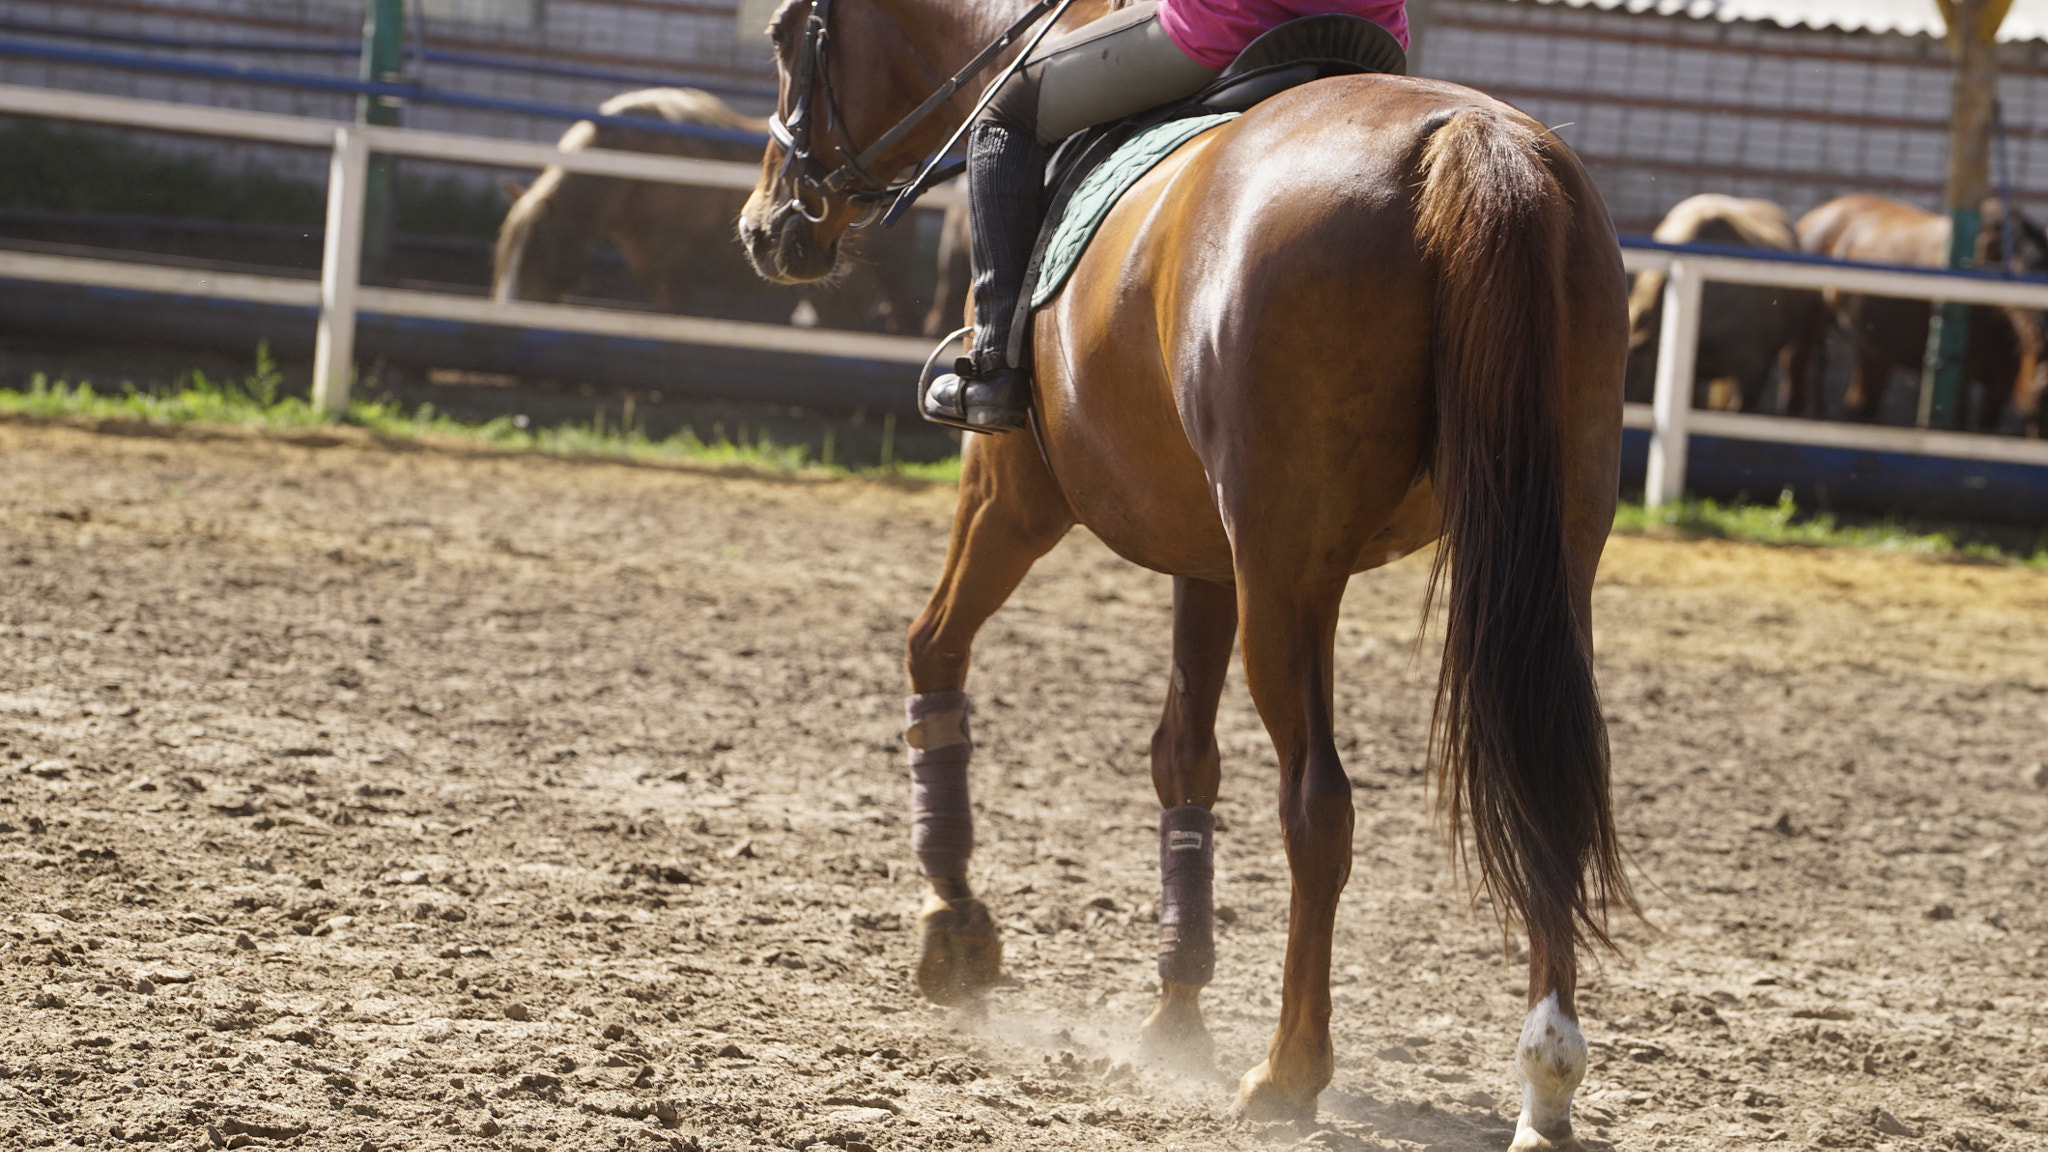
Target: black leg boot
(990,391)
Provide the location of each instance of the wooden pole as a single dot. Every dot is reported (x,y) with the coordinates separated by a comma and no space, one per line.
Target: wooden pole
(1972,35)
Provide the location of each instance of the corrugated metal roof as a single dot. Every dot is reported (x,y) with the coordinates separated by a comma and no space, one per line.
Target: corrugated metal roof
(2028,19)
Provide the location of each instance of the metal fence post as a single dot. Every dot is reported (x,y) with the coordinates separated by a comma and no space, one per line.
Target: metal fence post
(1678,340)
(340,268)
(383,63)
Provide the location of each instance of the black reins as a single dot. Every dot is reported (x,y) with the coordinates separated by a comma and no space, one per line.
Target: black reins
(855,179)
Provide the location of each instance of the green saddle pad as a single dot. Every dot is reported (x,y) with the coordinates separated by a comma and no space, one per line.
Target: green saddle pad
(1099,191)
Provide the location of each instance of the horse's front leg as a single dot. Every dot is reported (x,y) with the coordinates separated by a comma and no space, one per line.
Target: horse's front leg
(1187,773)
(1009,514)
(1868,381)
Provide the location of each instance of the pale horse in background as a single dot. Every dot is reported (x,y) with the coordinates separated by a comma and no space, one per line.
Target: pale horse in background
(680,242)
(1745,330)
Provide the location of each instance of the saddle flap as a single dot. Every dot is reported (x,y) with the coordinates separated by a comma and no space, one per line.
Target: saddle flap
(1246,90)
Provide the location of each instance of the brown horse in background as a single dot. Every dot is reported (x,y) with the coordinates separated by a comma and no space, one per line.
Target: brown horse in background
(1371,313)
(2006,362)
(1745,329)
(678,239)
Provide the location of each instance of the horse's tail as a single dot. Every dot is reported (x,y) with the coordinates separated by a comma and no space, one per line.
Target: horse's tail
(1517,739)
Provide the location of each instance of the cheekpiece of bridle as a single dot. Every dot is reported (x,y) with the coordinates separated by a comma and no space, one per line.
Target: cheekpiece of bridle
(795,133)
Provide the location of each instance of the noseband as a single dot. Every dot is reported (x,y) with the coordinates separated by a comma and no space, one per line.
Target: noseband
(855,180)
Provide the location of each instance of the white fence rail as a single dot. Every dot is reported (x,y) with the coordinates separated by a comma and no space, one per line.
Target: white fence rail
(337,293)
(1670,418)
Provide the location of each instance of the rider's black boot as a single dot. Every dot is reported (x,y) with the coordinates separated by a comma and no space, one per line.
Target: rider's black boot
(990,391)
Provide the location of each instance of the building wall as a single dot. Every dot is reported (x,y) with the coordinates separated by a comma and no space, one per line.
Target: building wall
(1663,107)
(1660,107)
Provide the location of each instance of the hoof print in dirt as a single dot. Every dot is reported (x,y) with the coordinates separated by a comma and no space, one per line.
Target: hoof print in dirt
(241,1131)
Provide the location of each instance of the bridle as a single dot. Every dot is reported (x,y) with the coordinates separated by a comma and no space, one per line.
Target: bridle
(801,167)
(855,180)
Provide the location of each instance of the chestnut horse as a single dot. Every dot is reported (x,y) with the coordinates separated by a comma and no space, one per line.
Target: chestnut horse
(2007,360)
(1371,312)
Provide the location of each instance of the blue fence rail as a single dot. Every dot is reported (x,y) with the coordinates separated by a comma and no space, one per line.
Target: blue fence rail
(625,78)
(408,92)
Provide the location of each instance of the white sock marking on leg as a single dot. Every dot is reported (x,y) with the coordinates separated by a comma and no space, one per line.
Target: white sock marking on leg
(1551,1057)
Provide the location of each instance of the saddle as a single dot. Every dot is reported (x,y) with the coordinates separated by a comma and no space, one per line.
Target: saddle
(1094,168)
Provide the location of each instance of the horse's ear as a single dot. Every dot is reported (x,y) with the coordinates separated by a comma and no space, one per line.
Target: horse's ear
(512,189)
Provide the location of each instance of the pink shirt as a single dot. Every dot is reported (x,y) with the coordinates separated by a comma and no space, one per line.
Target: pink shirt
(1213,32)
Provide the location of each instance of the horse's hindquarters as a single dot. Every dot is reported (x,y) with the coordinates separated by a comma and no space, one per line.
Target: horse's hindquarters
(1252,312)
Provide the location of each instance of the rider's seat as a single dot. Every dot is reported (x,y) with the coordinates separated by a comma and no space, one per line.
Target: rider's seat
(1309,48)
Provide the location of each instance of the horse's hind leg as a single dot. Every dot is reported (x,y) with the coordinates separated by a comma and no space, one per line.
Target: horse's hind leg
(1187,773)
(1289,632)
(1550,1054)
(1009,514)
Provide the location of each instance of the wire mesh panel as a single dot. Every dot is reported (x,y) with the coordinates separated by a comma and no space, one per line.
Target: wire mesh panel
(225,206)
(571,52)
(1661,107)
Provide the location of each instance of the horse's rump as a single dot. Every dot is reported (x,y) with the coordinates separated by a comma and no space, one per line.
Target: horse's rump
(1712,218)
(1279,252)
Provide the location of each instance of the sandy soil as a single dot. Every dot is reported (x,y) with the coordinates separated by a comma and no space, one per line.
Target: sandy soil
(359,797)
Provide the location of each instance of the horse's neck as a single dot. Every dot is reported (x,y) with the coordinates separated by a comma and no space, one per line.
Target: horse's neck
(946,33)
(944,28)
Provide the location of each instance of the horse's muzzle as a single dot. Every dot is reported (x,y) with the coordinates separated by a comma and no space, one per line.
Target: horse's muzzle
(784,247)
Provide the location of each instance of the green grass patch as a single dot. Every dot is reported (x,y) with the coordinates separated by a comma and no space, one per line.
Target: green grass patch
(259,400)
(1785,523)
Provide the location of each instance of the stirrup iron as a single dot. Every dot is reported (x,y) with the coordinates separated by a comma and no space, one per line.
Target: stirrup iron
(926,377)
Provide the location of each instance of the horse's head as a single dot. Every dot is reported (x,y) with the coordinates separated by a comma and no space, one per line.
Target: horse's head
(2015,243)
(2029,246)
(543,248)
(848,71)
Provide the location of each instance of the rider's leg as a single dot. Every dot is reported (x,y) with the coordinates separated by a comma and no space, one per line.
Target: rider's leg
(1107,69)
(988,391)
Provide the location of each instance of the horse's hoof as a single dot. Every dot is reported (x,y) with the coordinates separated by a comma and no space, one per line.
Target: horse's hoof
(1528,1139)
(1260,1100)
(1175,1035)
(961,956)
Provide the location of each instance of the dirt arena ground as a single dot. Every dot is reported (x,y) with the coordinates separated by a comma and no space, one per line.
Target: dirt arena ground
(357,796)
